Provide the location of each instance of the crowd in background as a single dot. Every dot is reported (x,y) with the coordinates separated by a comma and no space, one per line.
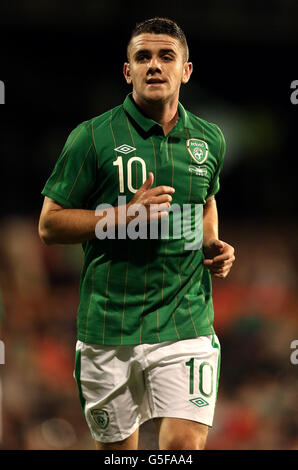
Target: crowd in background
(255,319)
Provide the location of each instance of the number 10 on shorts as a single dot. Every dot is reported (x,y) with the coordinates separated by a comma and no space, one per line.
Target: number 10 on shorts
(202,375)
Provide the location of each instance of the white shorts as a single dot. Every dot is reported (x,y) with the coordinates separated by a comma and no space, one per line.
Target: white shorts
(121,387)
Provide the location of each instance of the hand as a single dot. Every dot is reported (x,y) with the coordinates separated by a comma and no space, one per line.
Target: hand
(156,201)
(219,257)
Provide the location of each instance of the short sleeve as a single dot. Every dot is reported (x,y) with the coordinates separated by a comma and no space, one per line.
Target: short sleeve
(74,174)
(214,184)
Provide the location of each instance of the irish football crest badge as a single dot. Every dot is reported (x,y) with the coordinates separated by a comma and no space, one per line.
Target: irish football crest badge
(101,417)
(198,150)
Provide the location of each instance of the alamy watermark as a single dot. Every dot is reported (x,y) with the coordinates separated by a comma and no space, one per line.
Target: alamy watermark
(294,94)
(187,223)
(294,354)
(2,93)
(2,353)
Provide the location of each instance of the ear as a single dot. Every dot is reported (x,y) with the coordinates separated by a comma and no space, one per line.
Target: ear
(187,71)
(126,72)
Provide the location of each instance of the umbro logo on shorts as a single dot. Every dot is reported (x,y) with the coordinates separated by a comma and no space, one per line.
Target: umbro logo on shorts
(125,149)
(199,401)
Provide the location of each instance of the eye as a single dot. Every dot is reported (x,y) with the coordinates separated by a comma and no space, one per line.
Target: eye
(167,58)
(142,57)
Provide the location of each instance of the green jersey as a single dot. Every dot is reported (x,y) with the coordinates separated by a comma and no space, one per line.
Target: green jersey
(136,290)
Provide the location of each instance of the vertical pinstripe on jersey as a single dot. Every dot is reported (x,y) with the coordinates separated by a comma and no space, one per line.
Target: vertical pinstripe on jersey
(219,151)
(172,161)
(173,172)
(93,140)
(65,159)
(163,270)
(189,309)
(157,325)
(199,281)
(79,172)
(190,314)
(144,296)
(106,301)
(162,288)
(174,320)
(204,179)
(109,263)
(127,264)
(90,300)
(191,283)
(147,265)
(155,179)
(154,159)
(124,300)
(220,142)
(189,199)
(190,182)
(133,143)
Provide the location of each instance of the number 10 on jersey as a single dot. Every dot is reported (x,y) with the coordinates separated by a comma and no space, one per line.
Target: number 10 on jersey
(119,163)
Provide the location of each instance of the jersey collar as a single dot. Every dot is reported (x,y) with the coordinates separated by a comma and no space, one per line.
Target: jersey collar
(147,124)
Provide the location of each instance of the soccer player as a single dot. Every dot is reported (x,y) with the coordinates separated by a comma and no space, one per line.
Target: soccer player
(146,346)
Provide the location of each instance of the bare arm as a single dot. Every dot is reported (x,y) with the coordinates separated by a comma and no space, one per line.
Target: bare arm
(219,255)
(61,225)
(210,221)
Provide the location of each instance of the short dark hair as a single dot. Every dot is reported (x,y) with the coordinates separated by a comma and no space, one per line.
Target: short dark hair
(159,25)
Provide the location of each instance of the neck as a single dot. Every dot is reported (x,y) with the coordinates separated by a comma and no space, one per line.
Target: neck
(166,114)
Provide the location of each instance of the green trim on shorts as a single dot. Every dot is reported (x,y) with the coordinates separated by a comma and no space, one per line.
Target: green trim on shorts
(78,378)
(216,345)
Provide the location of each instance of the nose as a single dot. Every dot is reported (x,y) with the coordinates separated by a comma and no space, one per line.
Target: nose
(154,65)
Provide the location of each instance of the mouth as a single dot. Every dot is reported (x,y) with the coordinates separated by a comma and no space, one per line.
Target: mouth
(155,81)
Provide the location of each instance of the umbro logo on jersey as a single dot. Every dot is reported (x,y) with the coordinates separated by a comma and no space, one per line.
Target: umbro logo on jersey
(199,402)
(125,149)
(198,171)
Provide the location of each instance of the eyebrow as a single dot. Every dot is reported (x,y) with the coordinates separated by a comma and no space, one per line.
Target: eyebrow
(161,51)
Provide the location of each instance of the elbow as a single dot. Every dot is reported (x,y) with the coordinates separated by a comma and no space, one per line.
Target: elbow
(45,233)
(45,237)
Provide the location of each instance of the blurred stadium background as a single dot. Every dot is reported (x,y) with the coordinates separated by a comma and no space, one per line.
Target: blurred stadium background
(61,63)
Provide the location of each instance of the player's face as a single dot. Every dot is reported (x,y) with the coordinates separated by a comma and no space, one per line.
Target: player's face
(156,67)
